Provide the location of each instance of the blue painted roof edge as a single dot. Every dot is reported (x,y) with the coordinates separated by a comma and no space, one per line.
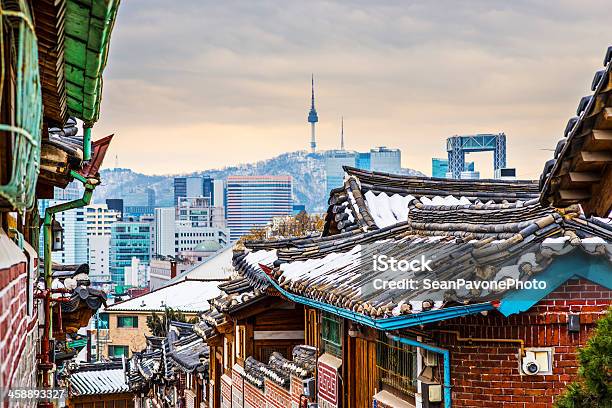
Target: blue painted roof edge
(389,323)
(595,269)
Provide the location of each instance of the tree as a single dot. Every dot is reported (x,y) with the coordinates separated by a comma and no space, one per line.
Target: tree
(159,324)
(593,389)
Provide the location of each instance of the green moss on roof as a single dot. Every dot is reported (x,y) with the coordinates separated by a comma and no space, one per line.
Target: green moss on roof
(89,24)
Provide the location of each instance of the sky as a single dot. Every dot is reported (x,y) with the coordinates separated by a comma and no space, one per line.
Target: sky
(192,85)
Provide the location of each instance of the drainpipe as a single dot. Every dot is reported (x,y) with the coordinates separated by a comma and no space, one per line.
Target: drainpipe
(86,142)
(90,185)
(445,353)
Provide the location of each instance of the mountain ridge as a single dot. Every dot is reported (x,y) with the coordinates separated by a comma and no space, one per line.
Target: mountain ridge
(306,169)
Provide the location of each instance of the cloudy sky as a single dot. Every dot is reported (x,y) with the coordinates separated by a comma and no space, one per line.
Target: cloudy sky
(192,84)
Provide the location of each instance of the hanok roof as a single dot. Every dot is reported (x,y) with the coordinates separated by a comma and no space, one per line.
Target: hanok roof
(371,200)
(217,266)
(98,379)
(477,241)
(186,296)
(581,170)
(279,369)
(74,37)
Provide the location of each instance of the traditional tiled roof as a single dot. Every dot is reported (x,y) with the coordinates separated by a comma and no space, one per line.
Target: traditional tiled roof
(279,369)
(371,200)
(477,241)
(581,170)
(181,349)
(98,379)
(186,296)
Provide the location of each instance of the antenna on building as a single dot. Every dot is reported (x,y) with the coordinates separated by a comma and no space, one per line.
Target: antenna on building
(342,134)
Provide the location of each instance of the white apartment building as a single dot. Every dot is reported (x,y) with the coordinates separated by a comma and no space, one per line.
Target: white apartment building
(99,251)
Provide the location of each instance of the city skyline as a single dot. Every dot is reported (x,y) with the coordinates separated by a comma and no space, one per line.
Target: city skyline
(233,80)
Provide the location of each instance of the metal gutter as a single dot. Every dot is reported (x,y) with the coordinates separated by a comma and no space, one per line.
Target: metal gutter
(90,184)
(389,323)
(445,354)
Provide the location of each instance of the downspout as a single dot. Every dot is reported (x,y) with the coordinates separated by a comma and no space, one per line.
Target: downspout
(446,355)
(86,142)
(90,185)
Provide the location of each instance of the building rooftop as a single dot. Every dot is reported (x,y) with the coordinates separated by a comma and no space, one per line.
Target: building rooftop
(188,295)
(98,379)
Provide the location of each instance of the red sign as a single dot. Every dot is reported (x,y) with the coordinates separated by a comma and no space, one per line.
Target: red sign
(327,379)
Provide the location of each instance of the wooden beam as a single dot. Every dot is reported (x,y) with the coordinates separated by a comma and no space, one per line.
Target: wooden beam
(601,202)
(571,195)
(591,157)
(606,119)
(602,135)
(583,177)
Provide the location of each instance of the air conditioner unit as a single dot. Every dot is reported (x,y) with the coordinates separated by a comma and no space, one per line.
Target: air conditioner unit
(431,359)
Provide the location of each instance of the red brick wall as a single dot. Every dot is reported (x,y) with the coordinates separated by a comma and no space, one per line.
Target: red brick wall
(486,374)
(13,319)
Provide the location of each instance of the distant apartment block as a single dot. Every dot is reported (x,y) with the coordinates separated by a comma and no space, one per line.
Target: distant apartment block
(99,260)
(194,222)
(252,201)
(100,218)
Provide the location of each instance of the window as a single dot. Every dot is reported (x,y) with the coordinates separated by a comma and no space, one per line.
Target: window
(118,351)
(396,364)
(332,331)
(127,321)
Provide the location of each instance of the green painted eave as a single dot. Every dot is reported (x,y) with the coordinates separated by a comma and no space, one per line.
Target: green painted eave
(89,24)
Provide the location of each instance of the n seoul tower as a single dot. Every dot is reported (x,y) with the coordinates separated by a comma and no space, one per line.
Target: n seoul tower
(312,119)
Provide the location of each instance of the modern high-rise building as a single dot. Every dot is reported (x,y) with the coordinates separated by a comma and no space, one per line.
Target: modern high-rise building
(334,161)
(252,201)
(194,186)
(99,219)
(129,239)
(151,199)
(219,197)
(164,230)
(200,212)
(380,159)
(75,233)
(193,221)
(99,260)
(385,160)
(439,168)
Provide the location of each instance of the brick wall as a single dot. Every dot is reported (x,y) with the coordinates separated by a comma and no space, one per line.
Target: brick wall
(487,374)
(17,330)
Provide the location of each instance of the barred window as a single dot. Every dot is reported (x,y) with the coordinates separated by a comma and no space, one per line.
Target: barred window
(332,330)
(396,364)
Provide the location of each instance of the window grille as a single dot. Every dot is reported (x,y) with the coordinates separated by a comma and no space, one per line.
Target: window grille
(396,364)
(332,331)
